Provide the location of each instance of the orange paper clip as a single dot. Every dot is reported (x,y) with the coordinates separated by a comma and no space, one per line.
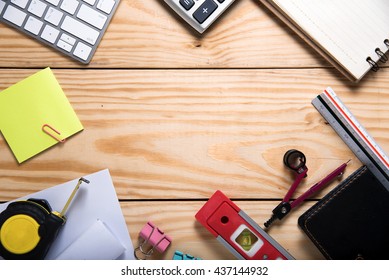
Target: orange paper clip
(48,129)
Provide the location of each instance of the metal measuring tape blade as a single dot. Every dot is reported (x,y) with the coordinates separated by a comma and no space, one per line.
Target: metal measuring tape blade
(29,227)
(353,134)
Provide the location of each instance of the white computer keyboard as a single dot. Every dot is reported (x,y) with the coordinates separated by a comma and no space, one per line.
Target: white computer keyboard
(73,27)
(200,14)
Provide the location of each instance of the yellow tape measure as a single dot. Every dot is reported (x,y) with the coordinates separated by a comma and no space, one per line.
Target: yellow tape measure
(19,234)
(29,227)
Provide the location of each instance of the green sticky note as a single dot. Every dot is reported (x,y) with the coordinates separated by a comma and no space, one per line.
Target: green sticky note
(29,105)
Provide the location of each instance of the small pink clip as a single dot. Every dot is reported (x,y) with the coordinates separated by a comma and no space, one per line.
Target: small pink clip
(48,132)
(154,238)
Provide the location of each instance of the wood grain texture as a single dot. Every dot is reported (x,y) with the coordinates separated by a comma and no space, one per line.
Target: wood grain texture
(189,236)
(147,34)
(175,116)
(184,134)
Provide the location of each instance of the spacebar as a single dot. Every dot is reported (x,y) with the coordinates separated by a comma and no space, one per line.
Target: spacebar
(80,30)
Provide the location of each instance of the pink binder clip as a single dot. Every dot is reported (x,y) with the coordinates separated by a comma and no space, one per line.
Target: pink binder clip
(153,238)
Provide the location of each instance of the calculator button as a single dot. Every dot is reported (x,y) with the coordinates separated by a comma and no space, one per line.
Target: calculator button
(204,11)
(187,4)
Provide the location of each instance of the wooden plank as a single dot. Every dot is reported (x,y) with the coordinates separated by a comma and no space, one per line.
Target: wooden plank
(177,220)
(147,34)
(169,134)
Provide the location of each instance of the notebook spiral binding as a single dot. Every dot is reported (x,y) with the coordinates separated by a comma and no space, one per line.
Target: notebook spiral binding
(382,57)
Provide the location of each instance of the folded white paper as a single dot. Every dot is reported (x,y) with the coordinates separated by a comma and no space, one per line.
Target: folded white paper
(96,243)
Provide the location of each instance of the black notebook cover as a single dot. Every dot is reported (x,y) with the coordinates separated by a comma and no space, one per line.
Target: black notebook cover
(352,221)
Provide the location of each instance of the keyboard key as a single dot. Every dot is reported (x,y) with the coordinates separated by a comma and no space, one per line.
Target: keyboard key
(106,6)
(2,5)
(54,2)
(187,4)
(37,8)
(82,51)
(20,3)
(50,34)
(74,27)
(70,6)
(204,11)
(14,15)
(90,2)
(92,16)
(33,25)
(68,39)
(65,46)
(53,16)
(80,30)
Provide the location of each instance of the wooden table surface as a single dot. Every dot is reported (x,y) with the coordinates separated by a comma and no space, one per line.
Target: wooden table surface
(175,116)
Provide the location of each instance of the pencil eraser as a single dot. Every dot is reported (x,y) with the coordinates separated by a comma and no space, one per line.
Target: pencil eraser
(96,243)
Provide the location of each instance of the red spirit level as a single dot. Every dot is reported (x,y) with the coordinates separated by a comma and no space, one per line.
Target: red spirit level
(237,231)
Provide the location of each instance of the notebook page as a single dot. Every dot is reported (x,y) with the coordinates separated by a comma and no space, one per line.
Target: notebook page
(349,31)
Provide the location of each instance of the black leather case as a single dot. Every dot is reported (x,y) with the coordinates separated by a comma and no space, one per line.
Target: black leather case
(352,221)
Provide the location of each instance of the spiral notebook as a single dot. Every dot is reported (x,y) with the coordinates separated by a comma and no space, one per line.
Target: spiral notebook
(352,35)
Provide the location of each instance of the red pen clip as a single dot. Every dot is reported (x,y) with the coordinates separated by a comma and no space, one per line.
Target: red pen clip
(295,160)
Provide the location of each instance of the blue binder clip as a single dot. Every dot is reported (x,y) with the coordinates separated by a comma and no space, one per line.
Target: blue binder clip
(181,256)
